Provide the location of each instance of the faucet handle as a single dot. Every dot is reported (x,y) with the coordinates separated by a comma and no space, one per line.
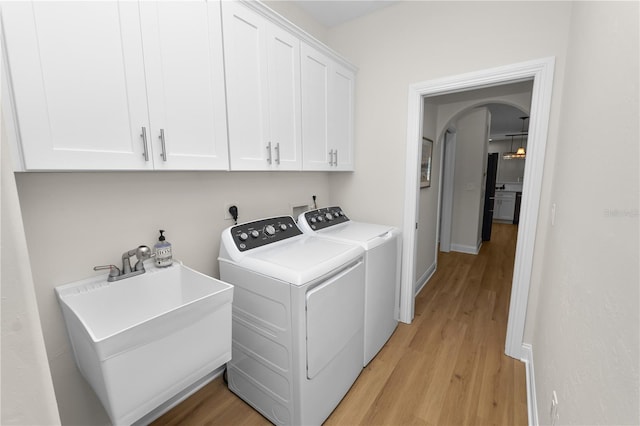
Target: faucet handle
(113,269)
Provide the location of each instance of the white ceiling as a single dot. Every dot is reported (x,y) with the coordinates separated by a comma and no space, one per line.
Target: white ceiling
(334,12)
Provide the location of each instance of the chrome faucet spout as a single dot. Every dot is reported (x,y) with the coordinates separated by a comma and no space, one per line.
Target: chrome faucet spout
(141,252)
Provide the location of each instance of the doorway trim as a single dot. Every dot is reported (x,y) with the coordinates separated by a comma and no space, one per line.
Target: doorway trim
(541,71)
(446,208)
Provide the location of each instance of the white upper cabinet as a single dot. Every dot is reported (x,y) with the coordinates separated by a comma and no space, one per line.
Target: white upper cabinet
(341,89)
(315,109)
(185,81)
(327,112)
(175,85)
(78,81)
(94,91)
(262,63)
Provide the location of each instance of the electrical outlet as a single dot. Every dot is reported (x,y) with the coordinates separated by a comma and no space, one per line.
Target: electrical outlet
(227,215)
(553,414)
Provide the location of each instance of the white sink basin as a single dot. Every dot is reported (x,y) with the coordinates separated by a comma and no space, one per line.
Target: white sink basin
(142,340)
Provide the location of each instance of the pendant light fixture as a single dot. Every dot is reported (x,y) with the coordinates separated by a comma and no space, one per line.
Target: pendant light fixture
(520,152)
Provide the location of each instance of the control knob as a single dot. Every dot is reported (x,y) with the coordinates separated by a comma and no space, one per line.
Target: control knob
(243,236)
(255,234)
(320,219)
(269,230)
(329,216)
(283,227)
(313,220)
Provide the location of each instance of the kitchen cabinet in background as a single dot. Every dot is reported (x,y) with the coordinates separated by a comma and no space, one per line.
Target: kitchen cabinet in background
(504,207)
(96,84)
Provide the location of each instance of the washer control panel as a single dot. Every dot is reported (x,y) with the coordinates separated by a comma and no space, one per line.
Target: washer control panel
(251,235)
(325,217)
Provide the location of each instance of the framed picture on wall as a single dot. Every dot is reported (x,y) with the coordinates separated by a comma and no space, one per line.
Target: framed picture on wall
(425,163)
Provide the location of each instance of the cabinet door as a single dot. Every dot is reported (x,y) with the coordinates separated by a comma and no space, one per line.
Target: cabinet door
(327,112)
(283,52)
(185,81)
(247,88)
(504,208)
(507,208)
(341,116)
(78,83)
(314,76)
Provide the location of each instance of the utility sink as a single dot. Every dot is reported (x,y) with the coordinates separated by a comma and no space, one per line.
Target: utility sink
(142,340)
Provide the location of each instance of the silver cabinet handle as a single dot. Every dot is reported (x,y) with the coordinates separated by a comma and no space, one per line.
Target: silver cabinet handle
(278,153)
(145,153)
(335,158)
(269,160)
(164,146)
(331,158)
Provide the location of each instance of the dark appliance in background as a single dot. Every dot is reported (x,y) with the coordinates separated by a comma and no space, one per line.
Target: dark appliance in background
(489,195)
(516,211)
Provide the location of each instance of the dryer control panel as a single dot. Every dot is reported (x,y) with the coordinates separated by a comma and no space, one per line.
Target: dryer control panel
(251,235)
(325,217)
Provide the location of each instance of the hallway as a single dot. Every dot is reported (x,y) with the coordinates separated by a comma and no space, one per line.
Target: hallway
(447,368)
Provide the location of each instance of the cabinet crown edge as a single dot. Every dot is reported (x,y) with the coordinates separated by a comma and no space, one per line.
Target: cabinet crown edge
(276,18)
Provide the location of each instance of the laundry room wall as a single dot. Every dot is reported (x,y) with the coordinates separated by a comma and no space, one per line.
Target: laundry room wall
(412,42)
(586,334)
(74,221)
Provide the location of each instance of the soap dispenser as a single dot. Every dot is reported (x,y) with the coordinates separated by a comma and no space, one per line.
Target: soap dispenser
(164,256)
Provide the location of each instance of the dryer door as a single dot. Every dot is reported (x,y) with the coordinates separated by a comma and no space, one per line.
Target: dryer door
(335,314)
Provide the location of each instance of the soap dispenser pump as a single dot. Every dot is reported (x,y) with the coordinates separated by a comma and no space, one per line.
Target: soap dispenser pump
(164,256)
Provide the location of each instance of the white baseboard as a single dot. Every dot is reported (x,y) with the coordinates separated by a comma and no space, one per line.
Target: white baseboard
(532,405)
(466,249)
(424,279)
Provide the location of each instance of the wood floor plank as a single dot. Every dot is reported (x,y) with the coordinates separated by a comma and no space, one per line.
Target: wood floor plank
(445,368)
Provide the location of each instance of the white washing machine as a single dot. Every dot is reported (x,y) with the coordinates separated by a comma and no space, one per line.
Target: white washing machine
(298,327)
(383,252)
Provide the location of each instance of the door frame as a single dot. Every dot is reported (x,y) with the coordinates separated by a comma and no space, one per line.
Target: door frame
(448,162)
(541,72)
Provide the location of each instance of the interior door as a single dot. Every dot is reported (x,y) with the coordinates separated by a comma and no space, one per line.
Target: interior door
(335,314)
(489,196)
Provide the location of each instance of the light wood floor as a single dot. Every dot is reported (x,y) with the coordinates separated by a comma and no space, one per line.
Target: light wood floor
(446,368)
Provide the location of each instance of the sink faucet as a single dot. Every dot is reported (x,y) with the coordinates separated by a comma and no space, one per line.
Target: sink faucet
(115,274)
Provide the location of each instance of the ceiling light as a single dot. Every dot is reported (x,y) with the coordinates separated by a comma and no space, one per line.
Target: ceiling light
(520,152)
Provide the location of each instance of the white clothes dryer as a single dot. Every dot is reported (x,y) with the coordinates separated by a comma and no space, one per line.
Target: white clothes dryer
(298,327)
(383,253)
